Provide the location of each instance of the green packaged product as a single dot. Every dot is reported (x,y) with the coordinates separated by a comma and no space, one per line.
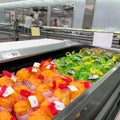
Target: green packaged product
(88,64)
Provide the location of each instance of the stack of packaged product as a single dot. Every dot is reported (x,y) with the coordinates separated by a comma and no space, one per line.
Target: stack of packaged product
(46,88)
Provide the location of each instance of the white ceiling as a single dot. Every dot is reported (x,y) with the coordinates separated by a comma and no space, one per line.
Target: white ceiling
(32,3)
(4,1)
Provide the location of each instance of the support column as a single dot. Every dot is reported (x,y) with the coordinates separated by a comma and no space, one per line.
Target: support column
(2,15)
(48,15)
(88,15)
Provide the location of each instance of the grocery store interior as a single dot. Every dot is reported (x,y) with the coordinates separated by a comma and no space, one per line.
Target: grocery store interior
(59,60)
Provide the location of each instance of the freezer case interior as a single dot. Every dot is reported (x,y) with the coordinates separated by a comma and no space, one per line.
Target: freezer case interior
(88,105)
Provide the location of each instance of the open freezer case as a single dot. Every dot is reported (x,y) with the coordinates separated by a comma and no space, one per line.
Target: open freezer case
(99,102)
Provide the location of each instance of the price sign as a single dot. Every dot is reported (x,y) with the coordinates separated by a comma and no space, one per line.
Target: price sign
(8,91)
(33,101)
(35,31)
(13,78)
(34,70)
(10,54)
(109,29)
(59,105)
(102,39)
(36,64)
(72,88)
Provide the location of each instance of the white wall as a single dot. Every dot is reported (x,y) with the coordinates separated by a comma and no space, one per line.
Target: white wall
(107,15)
(79,14)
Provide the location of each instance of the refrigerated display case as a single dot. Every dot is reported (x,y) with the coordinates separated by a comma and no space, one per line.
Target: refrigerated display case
(100,102)
(76,34)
